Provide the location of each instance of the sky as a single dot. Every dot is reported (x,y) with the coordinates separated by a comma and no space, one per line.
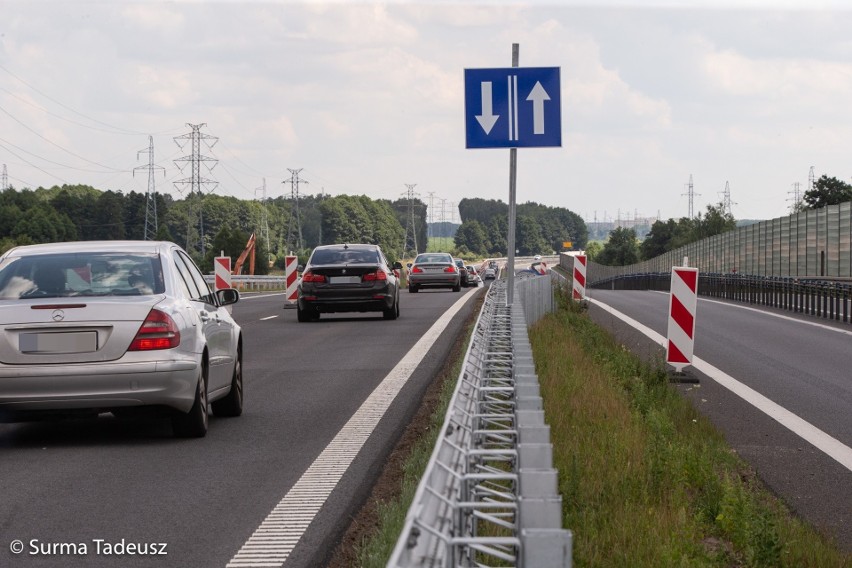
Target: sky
(366,98)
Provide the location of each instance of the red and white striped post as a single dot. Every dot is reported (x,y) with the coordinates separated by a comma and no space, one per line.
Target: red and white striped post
(683,302)
(290,263)
(579,281)
(222,272)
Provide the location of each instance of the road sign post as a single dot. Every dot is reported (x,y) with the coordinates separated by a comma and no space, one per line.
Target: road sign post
(515,107)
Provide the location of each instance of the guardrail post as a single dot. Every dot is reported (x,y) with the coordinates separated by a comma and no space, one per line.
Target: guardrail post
(546,547)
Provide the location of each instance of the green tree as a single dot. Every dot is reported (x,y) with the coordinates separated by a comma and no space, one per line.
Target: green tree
(621,249)
(659,239)
(497,231)
(716,220)
(827,191)
(593,249)
(472,236)
(529,239)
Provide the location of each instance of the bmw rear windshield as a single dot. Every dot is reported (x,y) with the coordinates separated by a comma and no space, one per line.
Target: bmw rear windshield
(344,256)
(80,275)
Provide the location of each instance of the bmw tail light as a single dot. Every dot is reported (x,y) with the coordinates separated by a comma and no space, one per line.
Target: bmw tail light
(374,276)
(158,331)
(451,269)
(311,277)
(416,270)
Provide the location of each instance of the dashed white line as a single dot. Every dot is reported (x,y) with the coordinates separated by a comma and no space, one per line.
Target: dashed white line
(268,318)
(831,446)
(290,518)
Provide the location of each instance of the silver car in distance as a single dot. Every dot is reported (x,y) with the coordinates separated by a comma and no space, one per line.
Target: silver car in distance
(115,326)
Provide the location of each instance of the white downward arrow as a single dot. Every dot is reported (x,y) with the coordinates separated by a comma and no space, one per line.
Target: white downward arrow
(487,119)
(538,95)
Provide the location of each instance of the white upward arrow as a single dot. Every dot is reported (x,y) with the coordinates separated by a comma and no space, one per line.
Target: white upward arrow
(538,95)
(487,119)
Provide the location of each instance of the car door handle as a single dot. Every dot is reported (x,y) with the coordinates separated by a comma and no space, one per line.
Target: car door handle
(205,317)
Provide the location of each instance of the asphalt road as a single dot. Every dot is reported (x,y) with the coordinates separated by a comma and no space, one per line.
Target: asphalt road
(91,485)
(798,362)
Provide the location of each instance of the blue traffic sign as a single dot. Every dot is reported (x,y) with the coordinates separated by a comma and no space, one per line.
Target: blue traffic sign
(512,107)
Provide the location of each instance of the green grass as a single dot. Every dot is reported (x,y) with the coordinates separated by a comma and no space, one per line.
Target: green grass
(645,480)
(441,244)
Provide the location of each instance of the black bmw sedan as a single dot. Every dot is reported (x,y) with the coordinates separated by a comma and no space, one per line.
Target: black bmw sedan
(348,278)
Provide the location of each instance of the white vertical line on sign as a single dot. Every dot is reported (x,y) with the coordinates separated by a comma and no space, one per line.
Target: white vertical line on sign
(515,104)
(511,114)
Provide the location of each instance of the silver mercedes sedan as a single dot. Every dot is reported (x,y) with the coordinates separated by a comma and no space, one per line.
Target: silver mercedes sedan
(115,326)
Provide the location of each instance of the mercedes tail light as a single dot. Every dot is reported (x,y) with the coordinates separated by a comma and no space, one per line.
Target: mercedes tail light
(451,269)
(416,270)
(158,331)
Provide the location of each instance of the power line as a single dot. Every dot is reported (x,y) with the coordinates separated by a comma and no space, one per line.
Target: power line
(66,107)
(55,144)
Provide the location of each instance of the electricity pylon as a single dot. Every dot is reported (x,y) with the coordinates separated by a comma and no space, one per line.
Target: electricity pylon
(195,181)
(150,195)
(295,222)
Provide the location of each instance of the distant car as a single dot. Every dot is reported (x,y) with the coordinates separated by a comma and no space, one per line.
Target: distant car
(472,275)
(537,257)
(115,326)
(463,275)
(348,278)
(489,273)
(434,270)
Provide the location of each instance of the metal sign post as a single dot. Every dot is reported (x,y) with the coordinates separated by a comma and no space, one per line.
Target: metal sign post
(514,107)
(513,178)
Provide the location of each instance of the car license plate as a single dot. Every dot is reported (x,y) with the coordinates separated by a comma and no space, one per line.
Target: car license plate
(344,280)
(59,342)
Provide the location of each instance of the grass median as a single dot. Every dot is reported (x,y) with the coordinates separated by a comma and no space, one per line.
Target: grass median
(646,481)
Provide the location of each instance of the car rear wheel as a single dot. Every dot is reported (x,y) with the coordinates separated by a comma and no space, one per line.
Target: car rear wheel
(194,423)
(308,314)
(393,312)
(232,403)
(457,288)
(413,289)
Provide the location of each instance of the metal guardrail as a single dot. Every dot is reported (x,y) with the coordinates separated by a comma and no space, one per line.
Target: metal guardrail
(246,282)
(489,492)
(828,299)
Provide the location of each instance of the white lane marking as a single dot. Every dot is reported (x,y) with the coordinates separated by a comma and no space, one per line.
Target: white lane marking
(268,318)
(831,446)
(261,295)
(771,314)
(276,537)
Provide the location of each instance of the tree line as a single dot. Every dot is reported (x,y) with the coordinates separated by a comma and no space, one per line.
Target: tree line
(539,229)
(81,212)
